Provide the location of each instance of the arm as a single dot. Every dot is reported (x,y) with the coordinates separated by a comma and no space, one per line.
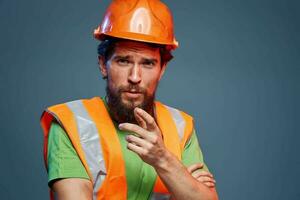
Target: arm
(180,182)
(150,147)
(73,189)
(192,158)
(203,176)
(67,176)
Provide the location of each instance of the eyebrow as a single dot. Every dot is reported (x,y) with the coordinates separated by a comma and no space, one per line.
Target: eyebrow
(121,57)
(154,60)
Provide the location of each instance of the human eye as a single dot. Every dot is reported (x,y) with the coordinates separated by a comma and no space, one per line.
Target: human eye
(148,63)
(123,61)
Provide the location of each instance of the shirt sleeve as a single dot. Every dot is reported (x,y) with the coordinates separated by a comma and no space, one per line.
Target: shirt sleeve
(192,153)
(63,161)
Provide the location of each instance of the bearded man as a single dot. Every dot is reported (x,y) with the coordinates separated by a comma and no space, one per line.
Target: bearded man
(126,145)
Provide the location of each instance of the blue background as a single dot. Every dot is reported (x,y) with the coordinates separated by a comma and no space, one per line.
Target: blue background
(236,71)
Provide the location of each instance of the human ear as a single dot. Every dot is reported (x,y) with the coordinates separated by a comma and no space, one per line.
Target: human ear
(102,66)
(162,71)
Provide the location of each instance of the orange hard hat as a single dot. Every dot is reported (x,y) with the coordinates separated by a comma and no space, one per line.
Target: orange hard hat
(140,20)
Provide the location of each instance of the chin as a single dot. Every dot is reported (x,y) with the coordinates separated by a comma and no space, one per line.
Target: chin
(132,103)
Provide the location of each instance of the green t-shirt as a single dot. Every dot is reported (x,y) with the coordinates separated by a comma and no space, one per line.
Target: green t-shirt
(63,162)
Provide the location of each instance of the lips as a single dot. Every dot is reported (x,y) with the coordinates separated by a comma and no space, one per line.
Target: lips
(132,94)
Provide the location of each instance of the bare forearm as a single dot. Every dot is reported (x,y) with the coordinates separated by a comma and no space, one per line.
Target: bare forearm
(149,145)
(179,181)
(73,189)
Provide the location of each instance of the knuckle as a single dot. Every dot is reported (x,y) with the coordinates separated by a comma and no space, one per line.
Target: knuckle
(127,126)
(208,179)
(144,152)
(151,120)
(200,179)
(154,140)
(133,127)
(150,146)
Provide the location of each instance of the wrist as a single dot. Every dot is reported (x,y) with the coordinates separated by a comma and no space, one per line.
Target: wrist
(164,161)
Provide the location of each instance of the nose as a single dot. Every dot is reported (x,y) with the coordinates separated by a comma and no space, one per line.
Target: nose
(135,74)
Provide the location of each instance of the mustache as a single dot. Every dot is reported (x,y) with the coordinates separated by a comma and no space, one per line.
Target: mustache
(134,88)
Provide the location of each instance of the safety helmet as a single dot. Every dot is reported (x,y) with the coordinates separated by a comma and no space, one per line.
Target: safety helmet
(140,20)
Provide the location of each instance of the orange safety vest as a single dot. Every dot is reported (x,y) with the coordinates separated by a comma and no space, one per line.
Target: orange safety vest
(94,137)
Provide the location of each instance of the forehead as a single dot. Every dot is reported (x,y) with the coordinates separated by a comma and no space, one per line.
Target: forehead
(133,47)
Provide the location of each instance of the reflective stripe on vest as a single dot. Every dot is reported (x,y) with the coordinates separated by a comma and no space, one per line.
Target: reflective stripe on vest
(90,142)
(67,121)
(170,121)
(114,186)
(179,121)
(95,139)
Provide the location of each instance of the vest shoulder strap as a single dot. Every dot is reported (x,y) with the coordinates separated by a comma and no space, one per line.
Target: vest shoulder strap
(86,122)
(184,124)
(176,127)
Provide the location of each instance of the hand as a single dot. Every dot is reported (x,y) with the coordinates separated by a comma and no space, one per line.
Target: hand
(202,176)
(147,142)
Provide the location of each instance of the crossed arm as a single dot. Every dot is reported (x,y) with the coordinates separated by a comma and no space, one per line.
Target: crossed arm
(148,144)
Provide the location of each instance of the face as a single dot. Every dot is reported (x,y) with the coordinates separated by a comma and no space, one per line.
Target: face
(133,72)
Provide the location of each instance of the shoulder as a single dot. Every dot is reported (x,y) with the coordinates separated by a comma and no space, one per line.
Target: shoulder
(184,122)
(65,112)
(57,135)
(68,108)
(76,102)
(175,112)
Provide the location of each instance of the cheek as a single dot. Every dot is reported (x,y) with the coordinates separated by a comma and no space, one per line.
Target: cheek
(117,76)
(151,83)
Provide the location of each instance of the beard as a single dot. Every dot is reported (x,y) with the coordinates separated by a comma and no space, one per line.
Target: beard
(124,112)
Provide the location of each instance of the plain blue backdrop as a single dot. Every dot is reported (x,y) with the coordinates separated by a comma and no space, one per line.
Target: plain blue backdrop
(236,71)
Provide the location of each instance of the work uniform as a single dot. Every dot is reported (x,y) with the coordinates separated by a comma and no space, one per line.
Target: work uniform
(63,160)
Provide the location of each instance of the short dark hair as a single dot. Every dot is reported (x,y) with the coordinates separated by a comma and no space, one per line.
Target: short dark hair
(106,49)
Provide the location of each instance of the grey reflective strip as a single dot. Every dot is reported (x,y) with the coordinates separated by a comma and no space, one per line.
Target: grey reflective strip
(90,143)
(160,196)
(179,121)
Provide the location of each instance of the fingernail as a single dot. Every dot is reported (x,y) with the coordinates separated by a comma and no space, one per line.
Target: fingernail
(120,126)
(138,110)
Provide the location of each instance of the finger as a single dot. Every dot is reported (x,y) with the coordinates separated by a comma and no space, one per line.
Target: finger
(202,173)
(209,184)
(140,121)
(150,122)
(134,128)
(136,149)
(137,141)
(205,179)
(195,167)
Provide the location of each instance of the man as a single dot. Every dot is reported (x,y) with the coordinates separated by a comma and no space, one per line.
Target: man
(126,145)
